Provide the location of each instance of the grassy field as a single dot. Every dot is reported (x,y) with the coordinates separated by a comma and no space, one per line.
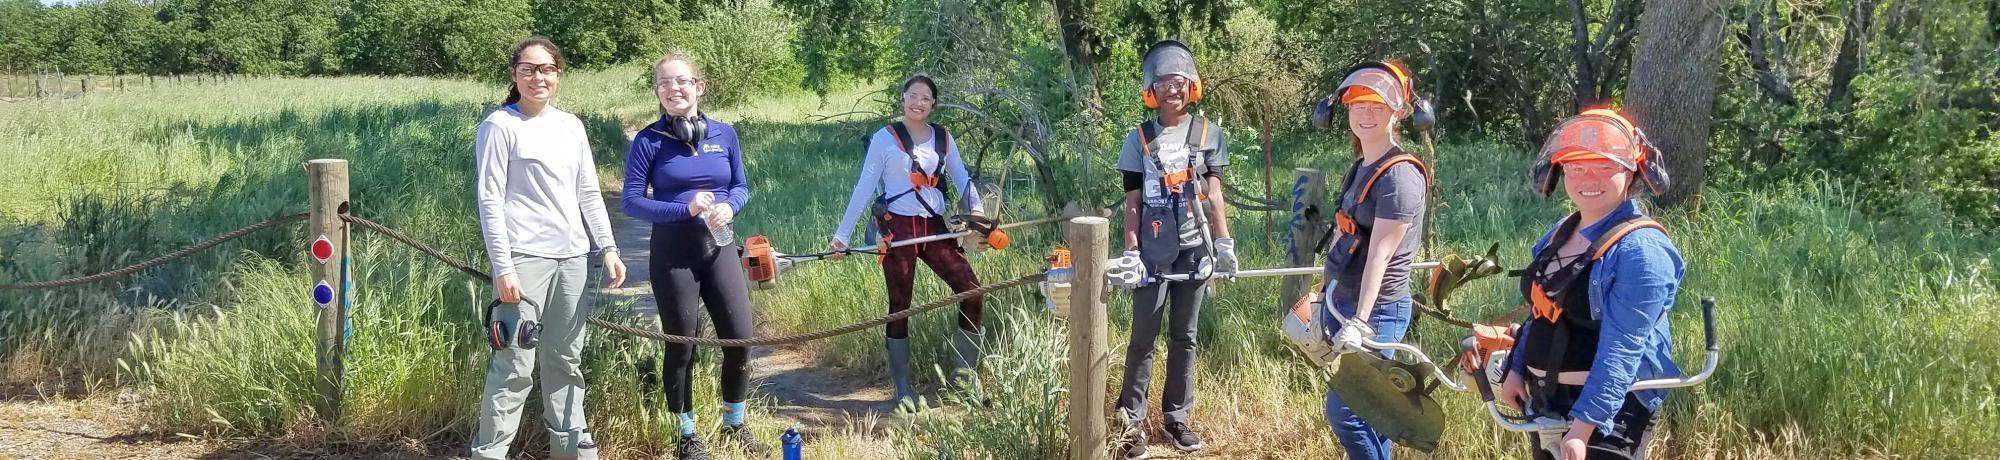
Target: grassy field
(1845,336)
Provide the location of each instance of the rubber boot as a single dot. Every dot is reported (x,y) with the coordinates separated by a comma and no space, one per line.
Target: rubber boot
(899,371)
(967,349)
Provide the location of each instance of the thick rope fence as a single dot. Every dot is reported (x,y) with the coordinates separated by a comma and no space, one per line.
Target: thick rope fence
(469,270)
(156,261)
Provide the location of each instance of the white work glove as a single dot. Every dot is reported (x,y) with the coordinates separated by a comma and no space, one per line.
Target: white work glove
(1127,272)
(1225,258)
(1350,335)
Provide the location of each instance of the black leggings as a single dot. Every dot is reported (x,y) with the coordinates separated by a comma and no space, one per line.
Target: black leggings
(690,272)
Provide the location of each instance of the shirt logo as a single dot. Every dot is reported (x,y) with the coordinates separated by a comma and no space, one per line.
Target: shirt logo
(711,148)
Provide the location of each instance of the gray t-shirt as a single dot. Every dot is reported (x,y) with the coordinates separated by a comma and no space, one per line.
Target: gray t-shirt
(1398,195)
(1173,146)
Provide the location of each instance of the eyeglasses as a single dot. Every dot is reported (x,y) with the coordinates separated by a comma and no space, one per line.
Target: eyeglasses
(1593,169)
(1368,109)
(918,97)
(528,69)
(1170,82)
(676,82)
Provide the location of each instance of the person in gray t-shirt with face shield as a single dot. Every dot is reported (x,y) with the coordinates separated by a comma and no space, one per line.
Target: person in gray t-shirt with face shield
(1174,224)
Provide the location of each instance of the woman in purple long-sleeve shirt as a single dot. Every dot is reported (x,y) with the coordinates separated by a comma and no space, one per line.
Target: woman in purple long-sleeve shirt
(695,169)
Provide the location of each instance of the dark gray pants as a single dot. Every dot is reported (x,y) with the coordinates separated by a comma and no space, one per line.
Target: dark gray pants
(1149,308)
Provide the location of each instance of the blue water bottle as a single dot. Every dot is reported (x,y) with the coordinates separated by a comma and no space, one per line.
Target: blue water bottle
(793,445)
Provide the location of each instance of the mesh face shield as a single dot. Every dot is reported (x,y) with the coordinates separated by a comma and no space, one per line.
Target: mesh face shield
(1384,84)
(1597,133)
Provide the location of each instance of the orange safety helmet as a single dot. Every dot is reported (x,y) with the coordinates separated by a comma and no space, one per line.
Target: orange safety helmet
(1598,133)
(1386,82)
(1378,81)
(1169,57)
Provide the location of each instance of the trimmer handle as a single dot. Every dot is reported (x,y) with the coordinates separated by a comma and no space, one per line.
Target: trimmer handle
(1708,322)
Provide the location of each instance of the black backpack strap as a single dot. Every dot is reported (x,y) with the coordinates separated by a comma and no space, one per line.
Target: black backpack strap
(1147,131)
(942,137)
(902,135)
(1200,129)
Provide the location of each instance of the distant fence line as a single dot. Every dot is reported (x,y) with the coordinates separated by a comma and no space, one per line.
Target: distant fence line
(52,83)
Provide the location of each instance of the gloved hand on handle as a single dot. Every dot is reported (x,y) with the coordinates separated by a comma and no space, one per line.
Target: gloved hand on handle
(1225,258)
(1127,272)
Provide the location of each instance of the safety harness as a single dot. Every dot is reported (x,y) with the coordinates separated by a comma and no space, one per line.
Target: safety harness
(1354,235)
(919,180)
(1563,335)
(1164,210)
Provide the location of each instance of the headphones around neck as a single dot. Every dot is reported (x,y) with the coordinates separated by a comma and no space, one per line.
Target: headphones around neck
(691,129)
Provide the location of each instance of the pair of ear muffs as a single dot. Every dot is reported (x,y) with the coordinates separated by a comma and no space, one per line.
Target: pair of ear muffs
(1178,56)
(524,335)
(1599,132)
(691,129)
(1153,102)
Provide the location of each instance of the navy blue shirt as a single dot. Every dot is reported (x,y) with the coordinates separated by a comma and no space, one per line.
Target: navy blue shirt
(678,170)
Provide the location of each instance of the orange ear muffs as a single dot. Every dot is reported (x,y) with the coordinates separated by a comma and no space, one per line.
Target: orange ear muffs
(1146,95)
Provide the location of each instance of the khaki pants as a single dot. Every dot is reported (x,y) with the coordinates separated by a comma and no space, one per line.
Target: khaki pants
(555,285)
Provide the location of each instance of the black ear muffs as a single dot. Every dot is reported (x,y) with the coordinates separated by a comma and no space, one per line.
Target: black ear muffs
(1422,117)
(686,129)
(497,333)
(1653,172)
(1322,117)
(531,334)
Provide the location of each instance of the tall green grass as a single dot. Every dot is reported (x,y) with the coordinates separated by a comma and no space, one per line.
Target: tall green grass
(1844,334)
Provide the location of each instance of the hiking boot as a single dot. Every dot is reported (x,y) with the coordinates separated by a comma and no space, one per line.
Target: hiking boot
(744,439)
(690,448)
(1184,439)
(1131,445)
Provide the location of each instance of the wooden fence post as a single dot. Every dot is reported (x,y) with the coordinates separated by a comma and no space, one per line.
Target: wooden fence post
(1089,360)
(327,192)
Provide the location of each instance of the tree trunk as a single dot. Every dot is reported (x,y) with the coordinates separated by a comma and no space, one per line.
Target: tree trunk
(1672,91)
(1583,90)
(1598,59)
(1079,41)
(1853,50)
(1767,54)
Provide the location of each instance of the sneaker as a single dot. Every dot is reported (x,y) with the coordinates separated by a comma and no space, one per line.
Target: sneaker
(744,439)
(1131,444)
(690,448)
(1184,439)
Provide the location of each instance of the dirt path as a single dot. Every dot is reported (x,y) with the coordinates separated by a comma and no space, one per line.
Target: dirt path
(805,393)
(44,423)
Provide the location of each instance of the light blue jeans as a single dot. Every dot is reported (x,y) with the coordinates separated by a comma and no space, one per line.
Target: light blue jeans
(1391,320)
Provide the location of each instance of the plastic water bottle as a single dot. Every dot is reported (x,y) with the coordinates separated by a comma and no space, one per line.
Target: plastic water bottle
(721,235)
(793,445)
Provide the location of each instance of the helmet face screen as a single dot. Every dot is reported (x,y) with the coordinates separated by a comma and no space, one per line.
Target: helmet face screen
(1169,58)
(1598,133)
(1591,134)
(1382,83)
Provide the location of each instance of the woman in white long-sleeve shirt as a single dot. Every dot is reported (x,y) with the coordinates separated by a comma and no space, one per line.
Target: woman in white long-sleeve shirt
(904,164)
(540,211)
